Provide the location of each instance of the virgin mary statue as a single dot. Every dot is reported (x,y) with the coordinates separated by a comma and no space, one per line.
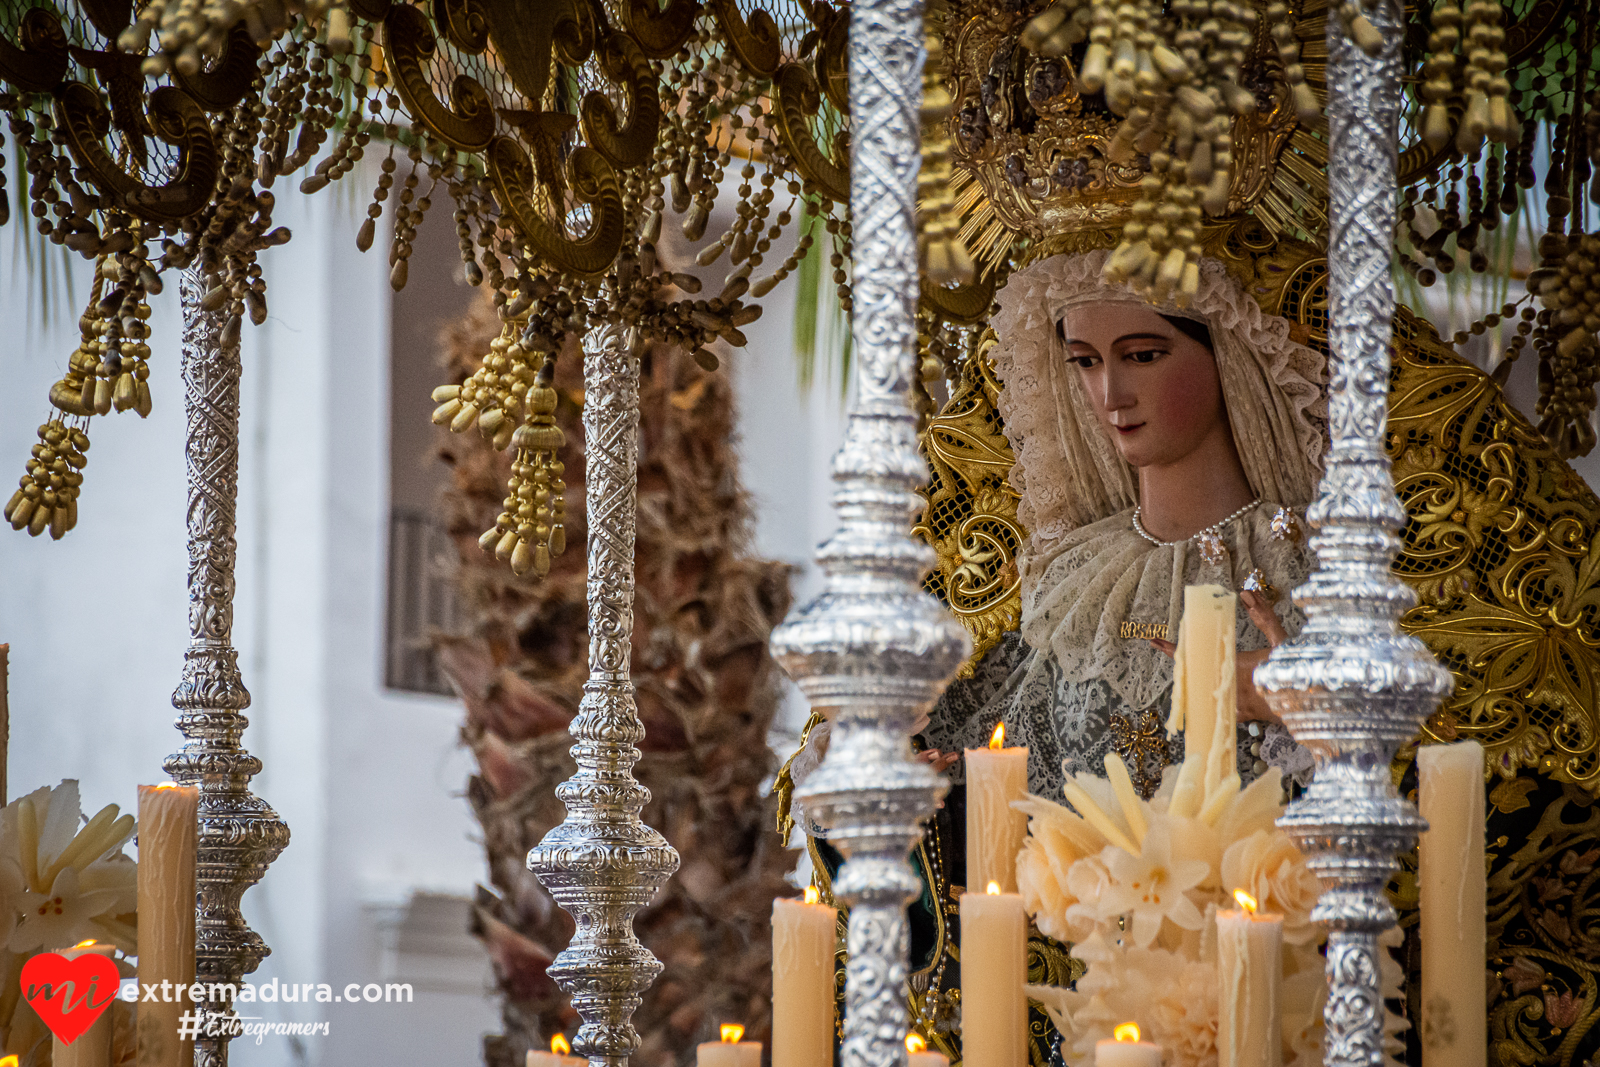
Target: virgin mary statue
(1157,446)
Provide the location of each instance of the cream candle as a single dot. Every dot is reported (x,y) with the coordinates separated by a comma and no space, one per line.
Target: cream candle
(560,1055)
(1204,697)
(168,837)
(995,830)
(804,934)
(1452,883)
(994,968)
(918,1055)
(92,1048)
(1126,1050)
(1249,975)
(730,1051)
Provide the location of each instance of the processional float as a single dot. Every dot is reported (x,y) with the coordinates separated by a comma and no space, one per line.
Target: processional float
(151,136)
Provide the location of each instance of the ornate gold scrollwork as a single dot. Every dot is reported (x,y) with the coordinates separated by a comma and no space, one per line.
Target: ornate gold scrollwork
(659,32)
(176,119)
(229,79)
(754,42)
(971,518)
(465,23)
(833,56)
(796,99)
(527,37)
(594,183)
(631,145)
(1503,547)
(468,123)
(41,62)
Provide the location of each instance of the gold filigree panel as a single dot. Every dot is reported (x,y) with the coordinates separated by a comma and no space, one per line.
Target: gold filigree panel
(971,518)
(1502,550)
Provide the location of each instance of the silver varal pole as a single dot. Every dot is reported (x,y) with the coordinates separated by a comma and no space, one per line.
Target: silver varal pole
(873,650)
(1352,687)
(239,833)
(603,864)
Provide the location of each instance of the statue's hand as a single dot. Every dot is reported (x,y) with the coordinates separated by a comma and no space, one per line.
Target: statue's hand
(1252,705)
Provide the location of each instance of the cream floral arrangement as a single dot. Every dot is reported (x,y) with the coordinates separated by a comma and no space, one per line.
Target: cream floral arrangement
(1134,886)
(63,880)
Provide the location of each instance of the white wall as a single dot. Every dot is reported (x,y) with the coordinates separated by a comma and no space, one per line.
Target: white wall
(368,780)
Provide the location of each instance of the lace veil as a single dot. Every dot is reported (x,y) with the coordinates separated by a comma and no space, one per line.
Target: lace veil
(1068,473)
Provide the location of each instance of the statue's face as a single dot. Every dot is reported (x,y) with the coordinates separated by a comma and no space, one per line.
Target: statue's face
(1154,389)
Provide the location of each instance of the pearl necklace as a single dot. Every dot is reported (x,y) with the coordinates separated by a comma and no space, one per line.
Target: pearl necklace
(1210,532)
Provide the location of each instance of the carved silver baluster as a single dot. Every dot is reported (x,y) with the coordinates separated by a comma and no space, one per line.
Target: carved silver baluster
(1352,687)
(603,864)
(873,649)
(239,833)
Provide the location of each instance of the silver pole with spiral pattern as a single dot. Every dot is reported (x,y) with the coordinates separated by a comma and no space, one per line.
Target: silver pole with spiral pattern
(873,650)
(239,833)
(603,864)
(1352,687)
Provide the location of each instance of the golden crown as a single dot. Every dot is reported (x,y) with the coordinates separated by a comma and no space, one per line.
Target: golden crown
(1054,150)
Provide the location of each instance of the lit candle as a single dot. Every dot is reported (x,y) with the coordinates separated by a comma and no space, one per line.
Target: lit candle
(1205,701)
(730,1051)
(1452,883)
(917,1054)
(994,968)
(560,1055)
(92,1048)
(804,934)
(168,836)
(995,830)
(1126,1050)
(1249,973)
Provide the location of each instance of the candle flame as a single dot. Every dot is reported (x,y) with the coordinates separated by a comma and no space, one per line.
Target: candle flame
(167,785)
(558,1045)
(915,1044)
(994,889)
(9,1061)
(731,1033)
(811,894)
(998,741)
(1127,1033)
(1246,901)
(84,944)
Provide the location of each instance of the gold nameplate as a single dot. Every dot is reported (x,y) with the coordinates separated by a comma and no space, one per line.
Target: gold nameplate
(1143,631)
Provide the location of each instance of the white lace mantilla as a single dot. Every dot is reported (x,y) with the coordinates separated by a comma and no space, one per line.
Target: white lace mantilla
(1071,687)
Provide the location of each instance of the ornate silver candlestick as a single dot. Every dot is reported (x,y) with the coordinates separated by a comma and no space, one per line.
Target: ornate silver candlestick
(1352,687)
(873,648)
(602,864)
(239,833)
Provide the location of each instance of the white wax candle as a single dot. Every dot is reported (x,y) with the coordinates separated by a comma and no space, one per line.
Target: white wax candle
(1205,697)
(1126,1054)
(168,837)
(541,1058)
(995,831)
(994,969)
(92,1048)
(927,1058)
(1452,884)
(728,1054)
(803,940)
(1250,976)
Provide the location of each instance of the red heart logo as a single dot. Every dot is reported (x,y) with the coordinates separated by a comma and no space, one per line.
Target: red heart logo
(69,995)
